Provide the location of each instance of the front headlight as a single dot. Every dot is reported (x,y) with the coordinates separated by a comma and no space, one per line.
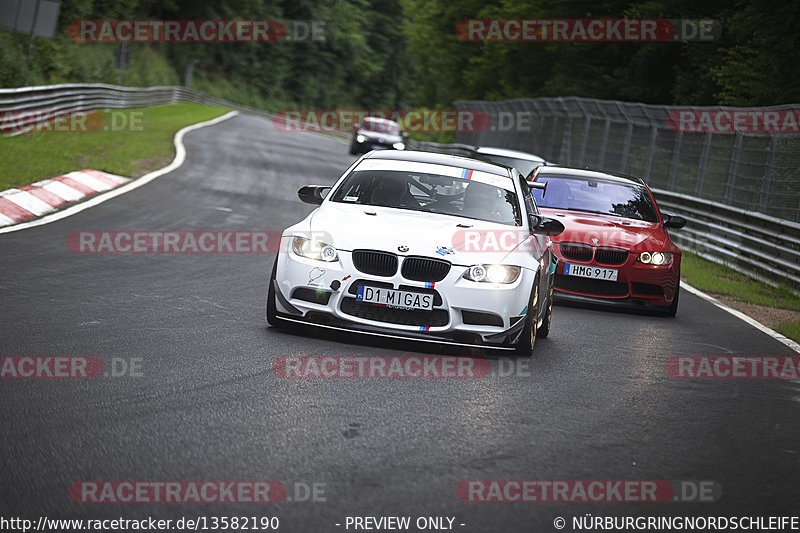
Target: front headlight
(493,273)
(360,138)
(655,258)
(399,146)
(311,249)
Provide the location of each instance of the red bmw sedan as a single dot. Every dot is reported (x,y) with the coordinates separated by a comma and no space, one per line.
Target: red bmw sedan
(615,247)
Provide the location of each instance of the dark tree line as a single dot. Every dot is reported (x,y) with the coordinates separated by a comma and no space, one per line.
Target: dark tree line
(403,53)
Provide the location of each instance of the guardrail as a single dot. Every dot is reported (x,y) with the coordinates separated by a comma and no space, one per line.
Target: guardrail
(761,246)
(32,106)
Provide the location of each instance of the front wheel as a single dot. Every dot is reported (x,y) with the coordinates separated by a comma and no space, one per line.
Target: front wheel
(527,339)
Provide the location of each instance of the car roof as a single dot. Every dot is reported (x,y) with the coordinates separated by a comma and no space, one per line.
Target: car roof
(440,159)
(586,173)
(491,150)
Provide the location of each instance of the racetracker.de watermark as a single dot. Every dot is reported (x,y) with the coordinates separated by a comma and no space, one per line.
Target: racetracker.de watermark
(68,367)
(174,242)
(734,367)
(76,121)
(588,30)
(196,31)
(587,491)
(734,120)
(410,120)
(204,492)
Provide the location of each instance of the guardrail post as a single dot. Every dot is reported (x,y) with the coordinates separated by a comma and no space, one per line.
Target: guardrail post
(729,188)
(773,147)
(701,171)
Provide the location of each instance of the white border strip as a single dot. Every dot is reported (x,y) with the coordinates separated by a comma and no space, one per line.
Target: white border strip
(180,157)
(738,314)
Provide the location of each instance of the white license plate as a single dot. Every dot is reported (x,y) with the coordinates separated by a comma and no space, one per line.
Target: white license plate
(583,271)
(394,298)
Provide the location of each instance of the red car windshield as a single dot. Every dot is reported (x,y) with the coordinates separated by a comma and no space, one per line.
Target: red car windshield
(384,126)
(591,195)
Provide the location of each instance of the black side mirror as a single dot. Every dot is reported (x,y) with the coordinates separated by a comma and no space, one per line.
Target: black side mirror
(673,221)
(313,194)
(547,226)
(541,185)
(404,135)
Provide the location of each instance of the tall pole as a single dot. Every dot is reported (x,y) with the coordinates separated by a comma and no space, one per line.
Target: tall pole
(33,34)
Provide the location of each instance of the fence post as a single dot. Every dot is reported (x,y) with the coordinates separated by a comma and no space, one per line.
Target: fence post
(586,129)
(676,153)
(651,151)
(626,144)
(701,172)
(604,143)
(773,147)
(729,188)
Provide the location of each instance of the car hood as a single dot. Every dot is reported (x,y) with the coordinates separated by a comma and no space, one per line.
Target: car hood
(606,230)
(350,227)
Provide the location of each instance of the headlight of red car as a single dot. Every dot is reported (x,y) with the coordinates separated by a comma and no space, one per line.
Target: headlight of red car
(655,258)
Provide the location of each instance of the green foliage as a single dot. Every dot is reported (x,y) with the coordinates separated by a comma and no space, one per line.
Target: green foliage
(390,54)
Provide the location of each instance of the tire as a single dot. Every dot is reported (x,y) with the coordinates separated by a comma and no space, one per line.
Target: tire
(673,308)
(271,312)
(544,330)
(527,339)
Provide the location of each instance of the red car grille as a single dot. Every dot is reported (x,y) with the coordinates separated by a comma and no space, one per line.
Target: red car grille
(576,251)
(610,256)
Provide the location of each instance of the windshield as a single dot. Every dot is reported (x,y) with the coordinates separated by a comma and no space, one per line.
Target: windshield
(378,125)
(524,166)
(596,196)
(430,193)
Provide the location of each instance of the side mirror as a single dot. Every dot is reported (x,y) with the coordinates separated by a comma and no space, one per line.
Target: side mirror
(673,221)
(313,194)
(541,185)
(404,135)
(356,126)
(547,226)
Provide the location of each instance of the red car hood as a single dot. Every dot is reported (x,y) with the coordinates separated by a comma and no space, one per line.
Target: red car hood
(606,230)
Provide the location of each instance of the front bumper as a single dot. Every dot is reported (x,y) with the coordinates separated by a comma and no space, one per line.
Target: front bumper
(637,285)
(464,313)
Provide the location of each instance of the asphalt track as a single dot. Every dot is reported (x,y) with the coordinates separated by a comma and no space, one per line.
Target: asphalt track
(595,402)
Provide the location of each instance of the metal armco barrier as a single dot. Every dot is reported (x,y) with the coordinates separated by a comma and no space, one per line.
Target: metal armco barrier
(761,246)
(29,106)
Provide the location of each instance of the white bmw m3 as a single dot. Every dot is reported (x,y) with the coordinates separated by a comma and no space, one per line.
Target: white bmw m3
(422,246)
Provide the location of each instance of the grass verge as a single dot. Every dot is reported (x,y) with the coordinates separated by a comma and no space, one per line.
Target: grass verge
(127,142)
(776,307)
